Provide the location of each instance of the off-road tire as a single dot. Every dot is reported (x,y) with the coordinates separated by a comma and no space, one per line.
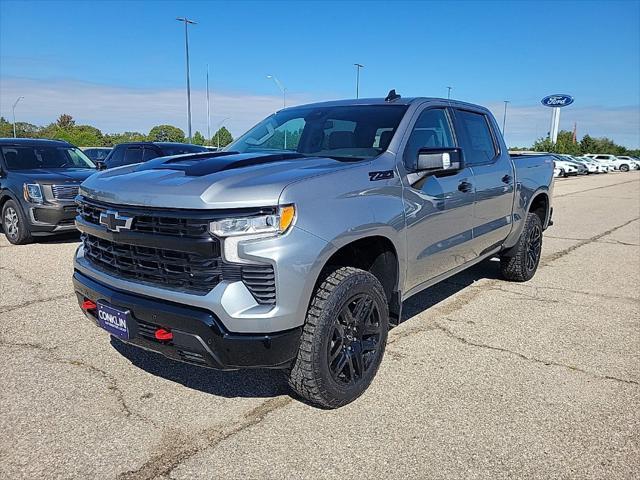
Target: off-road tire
(17,233)
(312,375)
(516,264)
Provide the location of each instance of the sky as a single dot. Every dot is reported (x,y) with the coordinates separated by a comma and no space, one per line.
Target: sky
(120,66)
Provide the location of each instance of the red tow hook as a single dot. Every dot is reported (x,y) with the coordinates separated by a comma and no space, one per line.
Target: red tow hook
(88,305)
(163,335)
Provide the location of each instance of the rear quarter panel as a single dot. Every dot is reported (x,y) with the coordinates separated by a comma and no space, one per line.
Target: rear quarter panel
(534,176)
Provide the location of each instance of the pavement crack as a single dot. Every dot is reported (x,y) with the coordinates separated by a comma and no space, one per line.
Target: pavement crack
(548,363)
(29,281)
(555,256)
(172,455)
(110,380)
(27,345)
(594,188)
(30,303)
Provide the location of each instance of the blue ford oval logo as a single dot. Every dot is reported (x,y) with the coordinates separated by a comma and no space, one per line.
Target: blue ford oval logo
(558,100)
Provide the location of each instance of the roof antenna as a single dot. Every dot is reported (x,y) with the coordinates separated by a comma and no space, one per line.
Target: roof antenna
(392,96)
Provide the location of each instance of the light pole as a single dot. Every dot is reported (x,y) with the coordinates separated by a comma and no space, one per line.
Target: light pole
(186,45)
(504,116)
(449,93)
(13,109)
(208,111)
(283,89)
(358,67)
(218,130)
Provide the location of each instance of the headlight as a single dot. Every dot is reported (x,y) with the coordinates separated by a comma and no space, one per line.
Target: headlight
(32,193)
(257,225)
(235,231)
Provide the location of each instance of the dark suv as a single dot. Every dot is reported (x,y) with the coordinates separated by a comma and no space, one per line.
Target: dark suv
(39,181)
(129,153)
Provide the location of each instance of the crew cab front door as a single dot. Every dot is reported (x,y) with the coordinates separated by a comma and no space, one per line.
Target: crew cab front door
(438,207)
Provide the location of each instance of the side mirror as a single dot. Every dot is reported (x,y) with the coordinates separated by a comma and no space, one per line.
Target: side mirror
(100,165)
(436,160)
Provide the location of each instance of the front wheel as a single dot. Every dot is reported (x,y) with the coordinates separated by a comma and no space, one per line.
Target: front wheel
(624,168)
(520,262)
(343,339)
(14,224)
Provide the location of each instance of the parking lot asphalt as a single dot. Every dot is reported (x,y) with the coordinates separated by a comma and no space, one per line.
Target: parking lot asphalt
(484,379)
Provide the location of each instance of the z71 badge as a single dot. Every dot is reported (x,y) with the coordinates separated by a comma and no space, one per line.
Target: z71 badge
(374,176)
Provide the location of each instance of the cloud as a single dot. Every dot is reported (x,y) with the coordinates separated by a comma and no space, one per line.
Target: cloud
(526,123)
(118,109)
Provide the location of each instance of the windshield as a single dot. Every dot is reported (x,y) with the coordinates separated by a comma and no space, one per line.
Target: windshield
(350,132)
(30,158)
(180,149)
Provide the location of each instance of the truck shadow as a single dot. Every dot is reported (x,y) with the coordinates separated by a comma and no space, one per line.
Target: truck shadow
(266,383)
(70,237)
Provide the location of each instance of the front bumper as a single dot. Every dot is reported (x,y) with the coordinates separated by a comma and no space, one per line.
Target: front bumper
(51,218)
(198,335)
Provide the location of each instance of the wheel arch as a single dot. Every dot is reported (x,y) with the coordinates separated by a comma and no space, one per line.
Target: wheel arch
(376,254)
(540,204)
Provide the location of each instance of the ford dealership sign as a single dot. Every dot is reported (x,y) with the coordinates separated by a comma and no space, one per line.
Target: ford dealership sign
(559,100)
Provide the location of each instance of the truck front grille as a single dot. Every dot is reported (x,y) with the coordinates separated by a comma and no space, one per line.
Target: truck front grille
(185,271)
(148,220)
(165,268)
(64,192)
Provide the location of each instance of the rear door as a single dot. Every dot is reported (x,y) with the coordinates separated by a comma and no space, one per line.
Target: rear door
(438,207)
(492,169)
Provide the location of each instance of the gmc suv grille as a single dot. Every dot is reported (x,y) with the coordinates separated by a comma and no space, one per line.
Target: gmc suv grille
(65,192)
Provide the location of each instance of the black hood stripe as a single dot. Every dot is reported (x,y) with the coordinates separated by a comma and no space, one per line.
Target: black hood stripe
(219,161)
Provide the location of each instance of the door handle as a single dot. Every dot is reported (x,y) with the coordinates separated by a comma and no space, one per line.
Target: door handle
(506,179)
(464,186)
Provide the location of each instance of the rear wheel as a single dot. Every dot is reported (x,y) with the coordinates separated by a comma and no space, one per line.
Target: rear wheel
(624,168)
(14,224)
(343,339)
(520,263)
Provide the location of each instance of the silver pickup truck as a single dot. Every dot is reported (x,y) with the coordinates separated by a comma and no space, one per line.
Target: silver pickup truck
(296,246)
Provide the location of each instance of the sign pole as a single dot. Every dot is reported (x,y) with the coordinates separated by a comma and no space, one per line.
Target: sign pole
(556,125)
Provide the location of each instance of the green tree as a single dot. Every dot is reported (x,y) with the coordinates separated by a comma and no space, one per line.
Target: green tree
(112,139)
(26,130)
(6,128)
(81,136)
(221,138)
(198,139)
(65,121)
(166,133)
(565,144)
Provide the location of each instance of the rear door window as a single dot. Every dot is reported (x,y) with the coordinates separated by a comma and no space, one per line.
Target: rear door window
(133,155)
(149,153)
(476,137)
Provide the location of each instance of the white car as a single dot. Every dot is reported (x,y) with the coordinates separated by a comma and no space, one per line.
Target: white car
(606,165)
(564,169)
(591,166)
(634,164)
(615,162)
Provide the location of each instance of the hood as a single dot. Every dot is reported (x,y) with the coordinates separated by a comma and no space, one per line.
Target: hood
(217,181)
(54,176)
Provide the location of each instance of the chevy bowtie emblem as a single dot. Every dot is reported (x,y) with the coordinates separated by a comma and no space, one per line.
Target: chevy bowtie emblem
(114,221)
